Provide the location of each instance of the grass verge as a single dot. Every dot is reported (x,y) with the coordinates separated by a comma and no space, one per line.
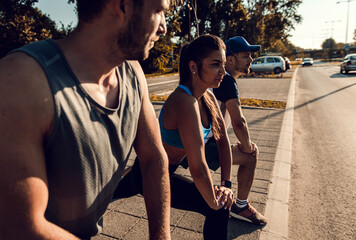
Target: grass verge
(244,102)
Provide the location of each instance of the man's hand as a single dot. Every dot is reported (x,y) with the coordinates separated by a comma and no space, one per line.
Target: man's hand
(253,149)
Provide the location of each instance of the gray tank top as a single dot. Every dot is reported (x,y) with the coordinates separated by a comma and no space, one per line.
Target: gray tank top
(89,146)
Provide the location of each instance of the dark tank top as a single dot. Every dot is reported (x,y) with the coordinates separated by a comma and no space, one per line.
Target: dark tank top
(89,145)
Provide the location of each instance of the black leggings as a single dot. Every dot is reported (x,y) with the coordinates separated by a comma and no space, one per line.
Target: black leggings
(184,195)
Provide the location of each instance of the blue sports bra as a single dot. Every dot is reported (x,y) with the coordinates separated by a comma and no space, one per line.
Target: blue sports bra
(171,136)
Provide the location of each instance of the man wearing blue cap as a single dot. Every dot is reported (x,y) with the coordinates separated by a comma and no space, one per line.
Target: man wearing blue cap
(244,152)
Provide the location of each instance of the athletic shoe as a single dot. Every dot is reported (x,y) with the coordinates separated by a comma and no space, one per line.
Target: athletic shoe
(248,213)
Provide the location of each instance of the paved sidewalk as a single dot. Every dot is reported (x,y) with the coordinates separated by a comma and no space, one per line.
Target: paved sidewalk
(126,218)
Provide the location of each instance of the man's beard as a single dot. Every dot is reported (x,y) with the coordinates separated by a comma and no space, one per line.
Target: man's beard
(244,69)
(132,42)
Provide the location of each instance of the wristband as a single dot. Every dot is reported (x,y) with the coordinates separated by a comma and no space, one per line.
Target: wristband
(226,183)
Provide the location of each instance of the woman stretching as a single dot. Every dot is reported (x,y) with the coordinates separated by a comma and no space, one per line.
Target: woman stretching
(187,117)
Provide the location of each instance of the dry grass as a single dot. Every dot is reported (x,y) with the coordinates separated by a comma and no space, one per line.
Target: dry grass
(244,102)
(158,98)
(263,103)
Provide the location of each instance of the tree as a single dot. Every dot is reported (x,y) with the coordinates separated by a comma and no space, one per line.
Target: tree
(271,20)
(259,21)
(165,54)
(21,23)
(329,44)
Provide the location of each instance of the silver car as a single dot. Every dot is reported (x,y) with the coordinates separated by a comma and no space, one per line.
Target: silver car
(271,64)
(349,64)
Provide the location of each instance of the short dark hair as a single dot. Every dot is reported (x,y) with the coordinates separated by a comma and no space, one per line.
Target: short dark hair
(89,9)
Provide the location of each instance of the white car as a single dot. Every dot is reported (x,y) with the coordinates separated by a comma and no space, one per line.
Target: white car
(349,63)
(307,62)
(271,64)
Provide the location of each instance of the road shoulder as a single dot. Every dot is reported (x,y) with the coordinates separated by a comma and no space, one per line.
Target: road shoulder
(278,195)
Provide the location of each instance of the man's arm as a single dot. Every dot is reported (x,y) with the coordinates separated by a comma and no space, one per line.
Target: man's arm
(239,125)
(154,166)
(223,145)
(26,115)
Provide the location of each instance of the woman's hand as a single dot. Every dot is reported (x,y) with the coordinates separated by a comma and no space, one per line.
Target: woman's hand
(224,196)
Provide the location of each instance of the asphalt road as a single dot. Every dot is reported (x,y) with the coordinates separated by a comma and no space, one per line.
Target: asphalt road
(323,186)
(162,83)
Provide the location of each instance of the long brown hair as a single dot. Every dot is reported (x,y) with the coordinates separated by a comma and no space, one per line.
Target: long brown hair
(196,51)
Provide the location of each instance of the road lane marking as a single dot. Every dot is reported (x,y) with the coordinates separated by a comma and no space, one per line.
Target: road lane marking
(160,83)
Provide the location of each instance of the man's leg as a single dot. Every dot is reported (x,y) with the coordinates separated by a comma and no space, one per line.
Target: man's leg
(245,175)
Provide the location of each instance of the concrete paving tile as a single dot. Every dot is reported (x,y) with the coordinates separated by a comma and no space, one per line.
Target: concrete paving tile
(176,216)
(266,149)
(258,195)
(261,183)
(134,205)
(265,165)
(262,190)
(271,135)
(118,224)
(193,221)
(263,174)
(103,237)
(179,233)
(139,231)
(266,153)
(182,171)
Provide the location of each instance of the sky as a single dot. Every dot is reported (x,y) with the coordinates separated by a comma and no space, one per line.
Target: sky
(322,19)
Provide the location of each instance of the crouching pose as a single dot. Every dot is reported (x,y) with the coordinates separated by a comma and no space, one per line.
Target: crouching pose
(187,117)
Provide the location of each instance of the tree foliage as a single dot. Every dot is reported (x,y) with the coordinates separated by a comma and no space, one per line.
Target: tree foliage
(329,44)
(21,23)
(264,22)
(165,53)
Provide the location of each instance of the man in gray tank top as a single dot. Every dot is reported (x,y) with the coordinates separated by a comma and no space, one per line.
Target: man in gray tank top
(71,111)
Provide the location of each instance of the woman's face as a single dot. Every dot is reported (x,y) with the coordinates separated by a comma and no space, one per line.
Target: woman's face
(213,69)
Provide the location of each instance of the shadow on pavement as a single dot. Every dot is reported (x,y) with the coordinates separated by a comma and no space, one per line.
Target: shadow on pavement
(302,105)
(238,228)
(340,75)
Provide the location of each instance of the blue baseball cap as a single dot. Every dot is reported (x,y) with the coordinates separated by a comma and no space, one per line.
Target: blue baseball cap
(239,44)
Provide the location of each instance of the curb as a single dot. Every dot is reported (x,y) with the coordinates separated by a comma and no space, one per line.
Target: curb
(278,195)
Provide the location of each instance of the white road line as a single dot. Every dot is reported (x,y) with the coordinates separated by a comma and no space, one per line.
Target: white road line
(160,83)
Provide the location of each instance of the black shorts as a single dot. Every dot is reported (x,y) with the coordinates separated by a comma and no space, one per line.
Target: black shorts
(211,155)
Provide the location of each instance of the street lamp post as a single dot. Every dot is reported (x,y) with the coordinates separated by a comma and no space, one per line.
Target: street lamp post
(332,27)
(347,19)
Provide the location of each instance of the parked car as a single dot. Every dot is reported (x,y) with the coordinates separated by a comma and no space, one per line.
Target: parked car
(349,63)
(286,60)
(307,62)
(270,64)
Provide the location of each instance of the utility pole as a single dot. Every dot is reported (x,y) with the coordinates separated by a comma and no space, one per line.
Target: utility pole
(332,26)
(347,19)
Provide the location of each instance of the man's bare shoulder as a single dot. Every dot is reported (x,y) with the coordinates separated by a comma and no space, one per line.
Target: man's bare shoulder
(24,88)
